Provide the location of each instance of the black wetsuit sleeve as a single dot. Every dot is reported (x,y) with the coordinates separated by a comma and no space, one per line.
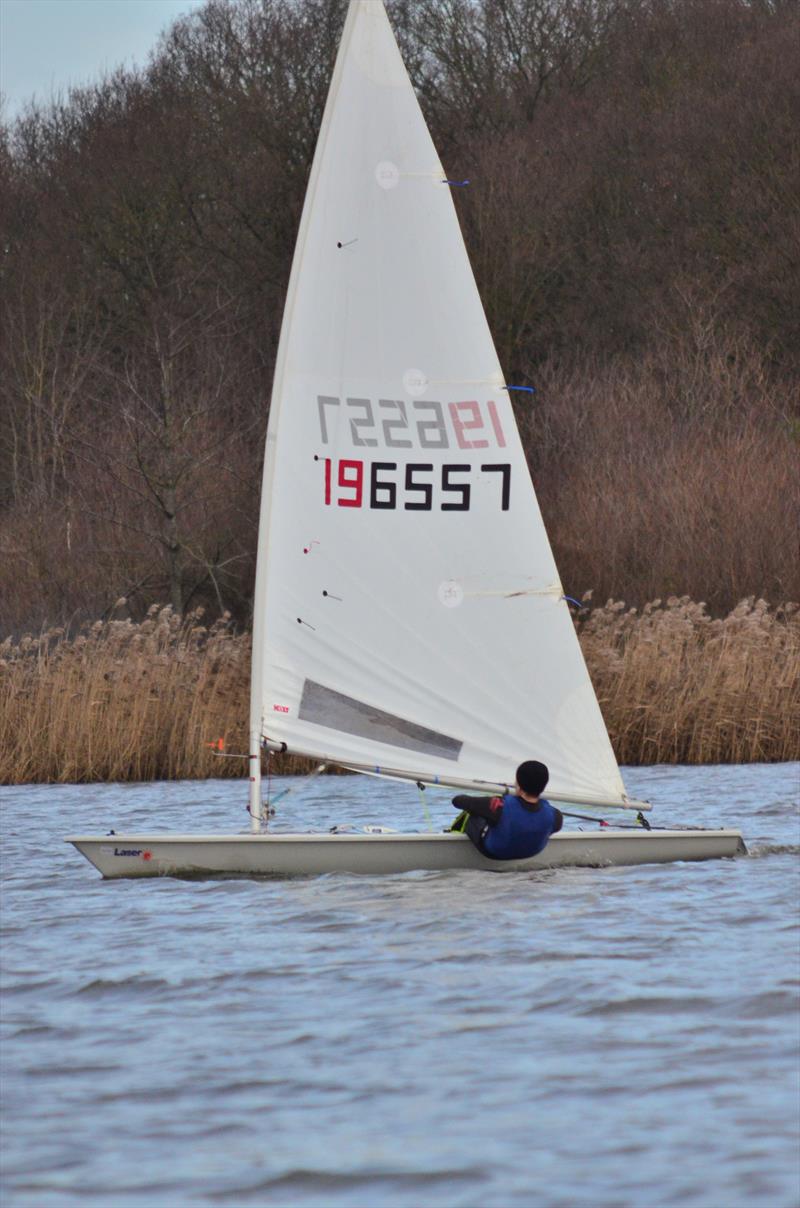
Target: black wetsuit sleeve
(559,820)
(488,808)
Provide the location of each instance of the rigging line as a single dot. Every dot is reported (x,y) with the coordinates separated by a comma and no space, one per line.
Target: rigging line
(425,810)
(553,590)
(585,817)
(641,821)
(298,784)
(495,382)
(430,175)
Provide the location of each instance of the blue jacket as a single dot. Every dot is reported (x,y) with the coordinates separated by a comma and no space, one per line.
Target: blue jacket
(523,829)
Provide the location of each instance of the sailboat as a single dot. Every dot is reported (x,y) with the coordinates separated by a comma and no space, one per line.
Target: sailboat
(409,620)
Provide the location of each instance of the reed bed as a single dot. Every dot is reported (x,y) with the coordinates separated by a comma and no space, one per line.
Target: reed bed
(152,700)
(127,701)
(678,686)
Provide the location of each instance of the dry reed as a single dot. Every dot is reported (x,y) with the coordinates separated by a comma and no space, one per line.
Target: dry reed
(126,701)
(677,686)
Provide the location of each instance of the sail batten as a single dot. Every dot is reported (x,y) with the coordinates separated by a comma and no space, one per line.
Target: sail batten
(408,609)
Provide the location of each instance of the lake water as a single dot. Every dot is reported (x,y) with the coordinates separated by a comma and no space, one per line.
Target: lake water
(609,1037)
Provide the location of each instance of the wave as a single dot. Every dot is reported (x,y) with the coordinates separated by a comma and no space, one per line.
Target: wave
(655,1005)
(308,1182)
(105,987)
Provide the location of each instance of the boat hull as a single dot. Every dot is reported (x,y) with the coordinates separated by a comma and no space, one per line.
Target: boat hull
(293,855)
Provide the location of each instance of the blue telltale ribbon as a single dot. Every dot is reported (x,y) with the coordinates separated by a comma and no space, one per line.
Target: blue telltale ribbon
(524,389)
(572,600)
(456,184)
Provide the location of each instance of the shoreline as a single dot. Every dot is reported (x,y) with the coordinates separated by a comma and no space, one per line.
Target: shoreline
(137,702)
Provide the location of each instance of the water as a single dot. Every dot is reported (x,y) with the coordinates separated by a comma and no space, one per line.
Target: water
(605,1037)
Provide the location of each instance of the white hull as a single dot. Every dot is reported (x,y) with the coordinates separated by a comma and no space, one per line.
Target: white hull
(292,855)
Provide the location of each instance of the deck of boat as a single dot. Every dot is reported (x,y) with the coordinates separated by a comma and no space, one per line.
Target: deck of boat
(291,855)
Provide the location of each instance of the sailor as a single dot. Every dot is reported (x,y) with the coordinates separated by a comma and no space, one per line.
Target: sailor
(516,825)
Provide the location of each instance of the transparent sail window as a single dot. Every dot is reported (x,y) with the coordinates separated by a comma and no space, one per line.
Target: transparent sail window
(324,707)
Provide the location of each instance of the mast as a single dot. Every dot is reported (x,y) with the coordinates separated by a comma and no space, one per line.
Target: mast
(254,764)
(257,676)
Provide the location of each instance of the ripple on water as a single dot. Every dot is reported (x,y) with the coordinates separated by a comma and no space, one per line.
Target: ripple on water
(440,1039)
(652,1005)
(125,988)
(317,1186)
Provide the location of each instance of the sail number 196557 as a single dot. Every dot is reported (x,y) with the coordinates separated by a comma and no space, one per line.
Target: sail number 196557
(349,483)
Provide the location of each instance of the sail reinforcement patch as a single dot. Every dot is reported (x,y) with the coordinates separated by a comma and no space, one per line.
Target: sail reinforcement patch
(325,707)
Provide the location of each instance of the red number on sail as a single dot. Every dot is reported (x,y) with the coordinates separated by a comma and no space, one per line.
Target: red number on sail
(351,478)
(462,426)
(495,418)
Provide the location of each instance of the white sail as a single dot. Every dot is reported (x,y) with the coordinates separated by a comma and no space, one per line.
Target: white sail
(408,611)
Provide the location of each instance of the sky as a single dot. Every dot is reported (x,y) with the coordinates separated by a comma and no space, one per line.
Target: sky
(48,45)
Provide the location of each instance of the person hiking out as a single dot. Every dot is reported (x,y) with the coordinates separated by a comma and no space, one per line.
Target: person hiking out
(515,826)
